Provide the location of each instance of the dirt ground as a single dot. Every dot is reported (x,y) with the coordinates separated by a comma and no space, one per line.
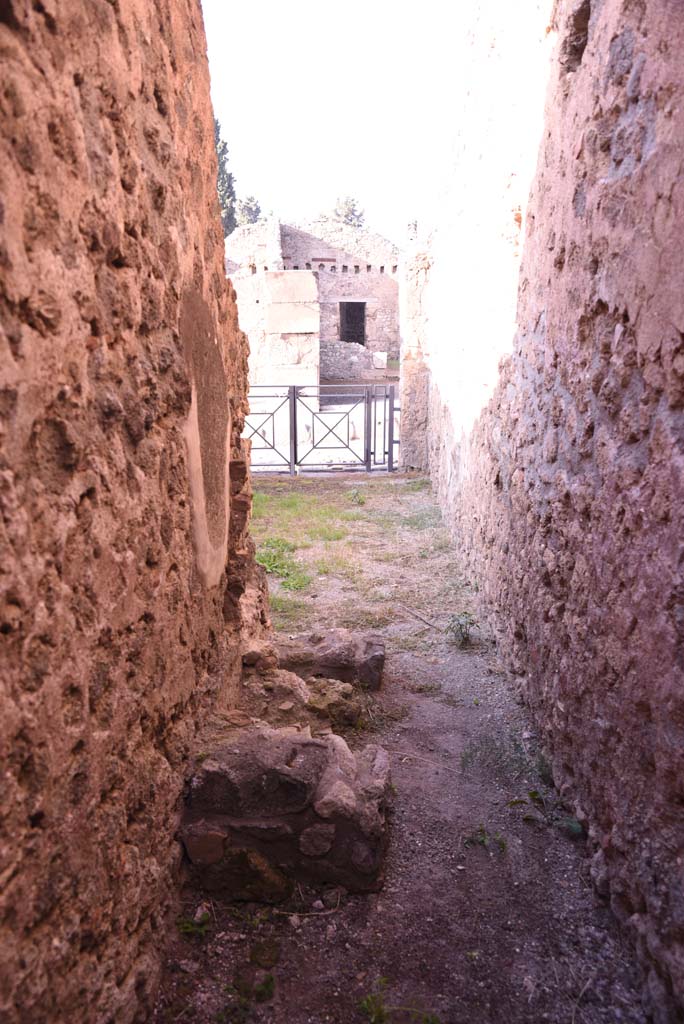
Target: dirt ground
(487,913)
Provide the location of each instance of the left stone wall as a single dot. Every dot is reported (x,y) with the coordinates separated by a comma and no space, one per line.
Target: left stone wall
(123,555)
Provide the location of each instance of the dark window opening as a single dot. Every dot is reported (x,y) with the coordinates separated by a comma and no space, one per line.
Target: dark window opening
(308,266)
(353,322)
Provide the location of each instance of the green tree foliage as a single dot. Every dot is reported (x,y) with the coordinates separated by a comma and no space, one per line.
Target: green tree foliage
(234,212)
(248,211)
(348,211)
(225,183)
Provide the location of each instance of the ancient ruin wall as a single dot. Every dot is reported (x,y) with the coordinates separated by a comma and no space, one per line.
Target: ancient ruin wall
(279,312)
(352,266)
(567,495)
(121,385)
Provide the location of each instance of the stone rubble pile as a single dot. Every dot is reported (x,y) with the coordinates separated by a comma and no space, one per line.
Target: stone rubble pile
(271,806)
(337,654)
(279,797)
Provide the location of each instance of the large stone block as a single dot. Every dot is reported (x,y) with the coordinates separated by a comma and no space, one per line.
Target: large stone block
(268,806)
(337,654)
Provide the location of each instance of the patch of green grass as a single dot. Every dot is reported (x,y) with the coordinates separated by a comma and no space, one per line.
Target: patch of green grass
(481,837)
(419,484)
(334,564)
(286,606)
(352,517)
(426,519)
(376,1011)
(275,555)
(361,618)
(327,533)
(263,992)
(194,929)
(259,505)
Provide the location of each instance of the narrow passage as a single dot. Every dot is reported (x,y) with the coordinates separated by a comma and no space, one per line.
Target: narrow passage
(487,913)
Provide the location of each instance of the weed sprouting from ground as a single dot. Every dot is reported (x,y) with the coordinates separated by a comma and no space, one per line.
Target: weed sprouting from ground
(194,929)
(481,837)
(459,628)
(502,754)
(376,1010)
(426,688)
(263,992)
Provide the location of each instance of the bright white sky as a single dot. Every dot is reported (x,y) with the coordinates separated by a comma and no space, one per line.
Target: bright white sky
(319,99)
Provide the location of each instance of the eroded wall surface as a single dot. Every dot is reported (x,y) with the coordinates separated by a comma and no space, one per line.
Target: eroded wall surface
(123,490)
(352,266)
(566,486)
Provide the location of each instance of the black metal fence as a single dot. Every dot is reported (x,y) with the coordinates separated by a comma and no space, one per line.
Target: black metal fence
(332,426)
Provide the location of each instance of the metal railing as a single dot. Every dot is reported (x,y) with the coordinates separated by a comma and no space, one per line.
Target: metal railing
(300,428)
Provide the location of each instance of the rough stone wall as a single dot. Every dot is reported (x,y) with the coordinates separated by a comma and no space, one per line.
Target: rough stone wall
(327,240)
(352,266)
(345,360)
(380,293)
(414,381)
(254,248)
(567,493)
(123,556)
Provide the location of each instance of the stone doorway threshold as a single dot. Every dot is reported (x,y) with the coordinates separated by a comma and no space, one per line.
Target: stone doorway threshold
(487,915)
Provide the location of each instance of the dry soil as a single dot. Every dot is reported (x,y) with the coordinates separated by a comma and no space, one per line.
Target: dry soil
(487,913)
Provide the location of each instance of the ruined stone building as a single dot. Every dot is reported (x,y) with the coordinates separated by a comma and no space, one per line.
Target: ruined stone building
(549,414)
(318,302)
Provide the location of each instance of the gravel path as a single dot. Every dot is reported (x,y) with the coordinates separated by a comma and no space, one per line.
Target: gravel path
(487,914)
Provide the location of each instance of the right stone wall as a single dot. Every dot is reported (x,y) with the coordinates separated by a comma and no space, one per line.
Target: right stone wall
(566,491)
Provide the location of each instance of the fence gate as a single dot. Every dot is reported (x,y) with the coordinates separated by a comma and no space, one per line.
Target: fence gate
(331,426)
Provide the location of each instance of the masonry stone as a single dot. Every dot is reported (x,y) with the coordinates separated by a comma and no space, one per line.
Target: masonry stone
(124,491)
(347,266)
(552,428)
